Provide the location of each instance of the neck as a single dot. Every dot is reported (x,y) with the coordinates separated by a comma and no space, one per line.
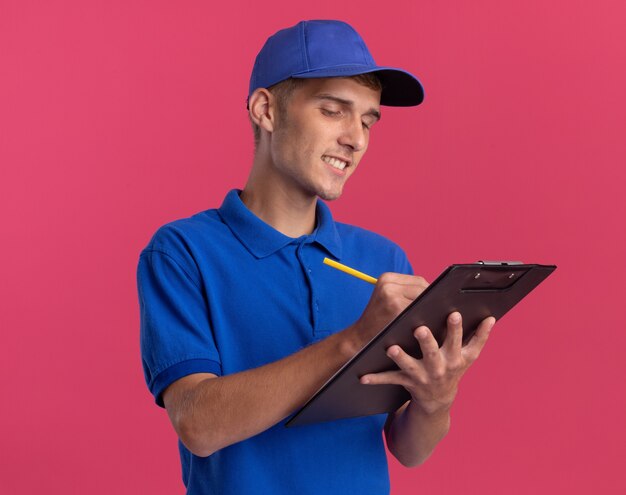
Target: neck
(280,206)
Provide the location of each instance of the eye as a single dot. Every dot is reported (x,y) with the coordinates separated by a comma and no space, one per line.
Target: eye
(330,113)
(367,124)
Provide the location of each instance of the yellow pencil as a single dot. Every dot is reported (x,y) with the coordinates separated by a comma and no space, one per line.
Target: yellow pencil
(350,271)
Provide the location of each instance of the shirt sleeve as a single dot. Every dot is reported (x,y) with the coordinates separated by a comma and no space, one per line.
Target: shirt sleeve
(175,334)
(402,262)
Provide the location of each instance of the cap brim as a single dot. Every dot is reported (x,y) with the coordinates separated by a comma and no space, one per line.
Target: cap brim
(400,88)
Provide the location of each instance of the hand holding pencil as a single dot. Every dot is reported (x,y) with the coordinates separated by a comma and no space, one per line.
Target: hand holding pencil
(393,292)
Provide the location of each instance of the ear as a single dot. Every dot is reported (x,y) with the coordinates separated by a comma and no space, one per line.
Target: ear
(262,108)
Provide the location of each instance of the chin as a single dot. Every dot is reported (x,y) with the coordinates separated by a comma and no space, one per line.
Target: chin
(329,195)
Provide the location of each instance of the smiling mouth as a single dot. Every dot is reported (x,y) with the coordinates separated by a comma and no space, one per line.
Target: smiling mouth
(335,162)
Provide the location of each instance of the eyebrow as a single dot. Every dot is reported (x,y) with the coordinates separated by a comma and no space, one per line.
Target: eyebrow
(324,96)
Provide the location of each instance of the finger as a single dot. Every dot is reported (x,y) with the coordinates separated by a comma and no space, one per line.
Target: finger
(472,350)
(385,378)
(401,293)
(411,292)
(428,345)
(404,361)
(454,335)
(407,286)
(402,279)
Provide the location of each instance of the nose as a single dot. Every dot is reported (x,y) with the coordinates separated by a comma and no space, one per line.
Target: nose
(353,135)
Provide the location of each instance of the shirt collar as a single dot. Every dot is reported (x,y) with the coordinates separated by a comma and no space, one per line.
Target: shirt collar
(262,239)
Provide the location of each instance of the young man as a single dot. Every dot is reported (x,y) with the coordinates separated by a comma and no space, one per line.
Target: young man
(241,322)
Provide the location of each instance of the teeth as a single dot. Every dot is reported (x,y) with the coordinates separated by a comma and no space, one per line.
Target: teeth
(338,164)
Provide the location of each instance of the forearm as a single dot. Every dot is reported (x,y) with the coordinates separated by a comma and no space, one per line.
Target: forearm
(217,412)
(412,433)
(212,413)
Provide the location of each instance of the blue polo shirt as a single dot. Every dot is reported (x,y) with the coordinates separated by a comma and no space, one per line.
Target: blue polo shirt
(222,292)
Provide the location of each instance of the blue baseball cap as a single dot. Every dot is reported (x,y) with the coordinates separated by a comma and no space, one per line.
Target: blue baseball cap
(313,49)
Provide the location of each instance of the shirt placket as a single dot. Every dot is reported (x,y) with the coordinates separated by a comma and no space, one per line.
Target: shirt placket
(303,253)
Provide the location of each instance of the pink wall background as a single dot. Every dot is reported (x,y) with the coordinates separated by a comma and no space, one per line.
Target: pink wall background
(118,116)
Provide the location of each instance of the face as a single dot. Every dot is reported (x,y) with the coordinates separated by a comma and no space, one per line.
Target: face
(322,134)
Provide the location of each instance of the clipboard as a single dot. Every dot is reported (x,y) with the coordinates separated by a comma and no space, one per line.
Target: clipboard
(477,291)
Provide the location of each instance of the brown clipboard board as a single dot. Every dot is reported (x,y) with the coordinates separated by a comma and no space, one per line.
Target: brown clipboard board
(476,290)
